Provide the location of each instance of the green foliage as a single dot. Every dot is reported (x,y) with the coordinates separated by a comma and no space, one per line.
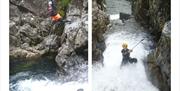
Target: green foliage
(62,6)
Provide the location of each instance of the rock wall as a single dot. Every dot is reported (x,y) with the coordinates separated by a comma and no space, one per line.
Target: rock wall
(155,16)
(159,61)
(29,30)
(152,14)
(99,26)
(33,36)
(74,49)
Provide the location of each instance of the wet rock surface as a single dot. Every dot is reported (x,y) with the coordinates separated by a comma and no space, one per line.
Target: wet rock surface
(32,36)
(159,61)
(99,26)
(29,30)
(155,16)
(74,49)
(152,14)
(36,7)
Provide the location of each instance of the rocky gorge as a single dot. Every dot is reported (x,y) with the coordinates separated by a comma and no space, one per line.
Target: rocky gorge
(155,15)
(32,36)
(99,27)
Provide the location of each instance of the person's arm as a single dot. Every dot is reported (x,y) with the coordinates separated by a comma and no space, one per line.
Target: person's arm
(125,52)
(130,50)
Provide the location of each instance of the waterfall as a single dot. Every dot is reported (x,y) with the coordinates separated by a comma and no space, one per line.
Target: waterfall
(131,77)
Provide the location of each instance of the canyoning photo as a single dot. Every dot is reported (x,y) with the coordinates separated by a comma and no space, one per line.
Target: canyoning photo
(48,45)
(131,45)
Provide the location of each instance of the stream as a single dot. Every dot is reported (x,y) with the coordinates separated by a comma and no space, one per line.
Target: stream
(42,76)
(131,77)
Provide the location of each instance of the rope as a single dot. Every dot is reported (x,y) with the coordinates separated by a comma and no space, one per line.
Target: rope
(138,43)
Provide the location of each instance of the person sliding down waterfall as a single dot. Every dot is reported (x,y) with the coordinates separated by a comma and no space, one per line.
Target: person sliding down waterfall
(55,17)
(126,55)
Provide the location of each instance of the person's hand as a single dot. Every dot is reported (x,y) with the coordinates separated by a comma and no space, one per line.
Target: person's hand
(130,50)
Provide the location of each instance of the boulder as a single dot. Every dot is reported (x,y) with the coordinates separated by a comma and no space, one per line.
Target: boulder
(152,13)
(36,7)
(100,21)
(29,30)
(73,51)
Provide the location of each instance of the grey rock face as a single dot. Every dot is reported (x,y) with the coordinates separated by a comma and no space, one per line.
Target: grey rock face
(32,36)
(29,30)
(99,24)
(36,7)
(159,63)
(73,51)
(152,13)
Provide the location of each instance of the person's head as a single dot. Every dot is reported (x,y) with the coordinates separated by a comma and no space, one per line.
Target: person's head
(50,2)
(125,45)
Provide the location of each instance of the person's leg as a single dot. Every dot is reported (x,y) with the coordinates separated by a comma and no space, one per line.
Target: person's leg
(132,60)
(124,62)
(57,24)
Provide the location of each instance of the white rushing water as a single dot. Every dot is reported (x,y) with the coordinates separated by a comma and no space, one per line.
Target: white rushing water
(114,17)
(116,6)
(131,77)
(32,84)
(50,81)
(47,85)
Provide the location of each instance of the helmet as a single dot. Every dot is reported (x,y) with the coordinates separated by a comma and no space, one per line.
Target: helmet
(124,45)
(50,2)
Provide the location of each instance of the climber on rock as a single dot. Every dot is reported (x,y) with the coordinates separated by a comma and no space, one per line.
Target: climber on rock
(52,10)
(56,18)
(126,55)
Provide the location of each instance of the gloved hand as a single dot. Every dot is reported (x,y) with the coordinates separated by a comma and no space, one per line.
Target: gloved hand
(130,50)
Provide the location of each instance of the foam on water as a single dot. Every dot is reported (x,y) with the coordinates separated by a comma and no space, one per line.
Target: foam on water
(129,78)
(114,17)
(48,85)
(116,6)
(39,81)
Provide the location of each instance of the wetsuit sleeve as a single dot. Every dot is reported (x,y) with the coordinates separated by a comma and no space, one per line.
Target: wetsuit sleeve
(125,52)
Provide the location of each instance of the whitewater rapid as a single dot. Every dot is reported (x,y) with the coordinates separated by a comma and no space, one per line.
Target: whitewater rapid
(45,78)
(131,77)
(25,83)
(48,85)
